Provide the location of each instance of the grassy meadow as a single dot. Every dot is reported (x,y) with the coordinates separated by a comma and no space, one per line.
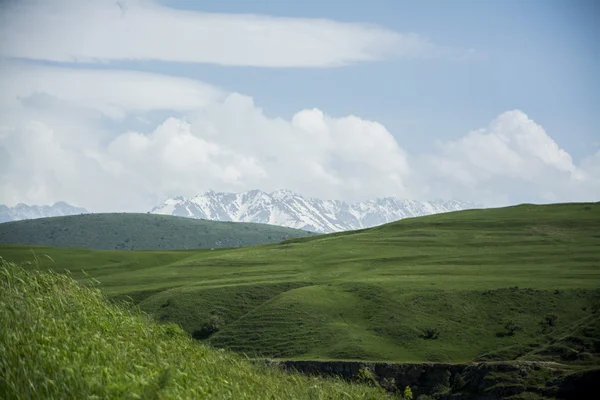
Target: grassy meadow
(517,283)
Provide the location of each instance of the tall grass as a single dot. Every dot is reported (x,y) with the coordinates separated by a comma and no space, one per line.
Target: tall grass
(60,339)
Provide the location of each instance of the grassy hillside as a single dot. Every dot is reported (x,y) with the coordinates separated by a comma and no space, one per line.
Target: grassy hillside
(514,283)
(60,340)
(140,232)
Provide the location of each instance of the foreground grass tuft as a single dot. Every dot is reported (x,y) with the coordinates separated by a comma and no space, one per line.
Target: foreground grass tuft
(60,339)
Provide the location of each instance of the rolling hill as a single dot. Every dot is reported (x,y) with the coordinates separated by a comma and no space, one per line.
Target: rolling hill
(518,283)
(140,232)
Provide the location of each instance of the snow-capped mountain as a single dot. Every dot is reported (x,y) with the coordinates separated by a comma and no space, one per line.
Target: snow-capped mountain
(23,211)
(289,209)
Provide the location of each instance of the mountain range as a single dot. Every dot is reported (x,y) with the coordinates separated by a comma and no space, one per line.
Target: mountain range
(286,208)
(23,211)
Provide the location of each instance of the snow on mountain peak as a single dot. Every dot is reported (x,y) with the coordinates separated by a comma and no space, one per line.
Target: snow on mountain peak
(23,211)
(286,208)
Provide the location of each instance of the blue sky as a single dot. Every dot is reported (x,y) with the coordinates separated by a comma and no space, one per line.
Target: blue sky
(535,55)
(494,102)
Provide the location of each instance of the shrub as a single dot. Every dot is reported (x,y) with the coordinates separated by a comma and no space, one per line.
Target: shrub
(512,327)
(551,319)
(389,384)
(407,394)
(459,382)
(549,322)
(210,327)
(366,376)
(431,333)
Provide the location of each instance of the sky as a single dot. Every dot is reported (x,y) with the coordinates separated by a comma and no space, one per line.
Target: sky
(118,105)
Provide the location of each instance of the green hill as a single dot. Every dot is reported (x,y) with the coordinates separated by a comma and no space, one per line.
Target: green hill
(141,232)
(60,340)
(517,283)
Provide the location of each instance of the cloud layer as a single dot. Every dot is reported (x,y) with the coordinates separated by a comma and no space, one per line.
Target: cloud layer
(60,141)
(102,30)
(112,93)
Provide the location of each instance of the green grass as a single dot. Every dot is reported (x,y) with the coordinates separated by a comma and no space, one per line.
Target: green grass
(373,294)
(61,340)
(141,232)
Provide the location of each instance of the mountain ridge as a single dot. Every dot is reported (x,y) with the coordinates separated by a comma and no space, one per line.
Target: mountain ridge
(289,209)
(23,211)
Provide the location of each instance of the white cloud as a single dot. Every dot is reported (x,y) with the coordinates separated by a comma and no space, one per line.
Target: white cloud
(513,146)
(513,159)
(136,169)
(112,93)
(92,31)
(225,142)
(50,149)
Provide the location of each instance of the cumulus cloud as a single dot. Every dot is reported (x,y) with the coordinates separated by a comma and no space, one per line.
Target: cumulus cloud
(221,141)
(513,146)
(50,149)
(102,30)
(513,159)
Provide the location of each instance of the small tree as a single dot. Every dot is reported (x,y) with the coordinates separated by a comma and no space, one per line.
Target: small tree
(512,327)
(407,394)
